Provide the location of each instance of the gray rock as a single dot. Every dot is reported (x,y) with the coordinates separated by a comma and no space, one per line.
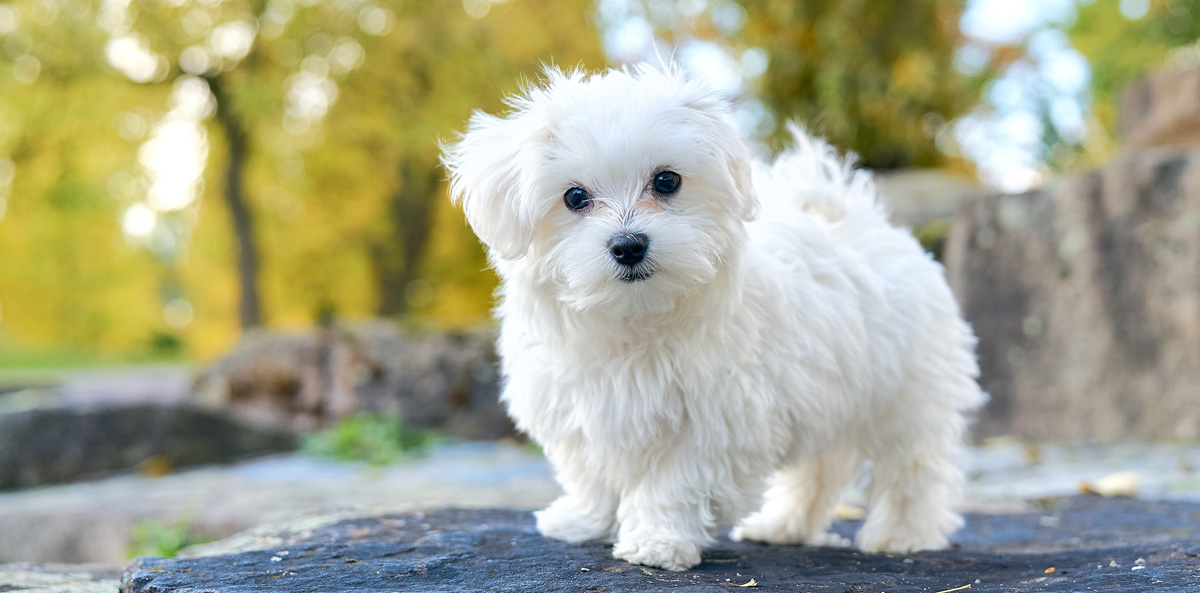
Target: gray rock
(439,381)
(1163,110)
(1085,296)
(443,381)
(299,382)
(1090,542)
(63,442)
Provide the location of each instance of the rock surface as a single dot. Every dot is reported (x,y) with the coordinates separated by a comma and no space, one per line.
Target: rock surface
(1076,544)
(1085,296)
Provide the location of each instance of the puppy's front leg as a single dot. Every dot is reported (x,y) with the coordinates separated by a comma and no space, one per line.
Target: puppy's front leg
(587,509)
(578,515)
(665,521)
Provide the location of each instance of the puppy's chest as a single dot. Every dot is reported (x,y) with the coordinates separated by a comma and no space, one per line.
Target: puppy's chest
(626,373)
(636,401)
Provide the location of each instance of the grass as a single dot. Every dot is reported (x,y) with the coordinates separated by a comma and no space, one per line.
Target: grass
(534,448)
(20,366)
(376,439)
(932,235)
(13,359)
(162,538)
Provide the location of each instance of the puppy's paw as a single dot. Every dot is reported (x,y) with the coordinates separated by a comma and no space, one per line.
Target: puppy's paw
(570,520)
(761,528)
(900,540)
(771,530)
(659,552)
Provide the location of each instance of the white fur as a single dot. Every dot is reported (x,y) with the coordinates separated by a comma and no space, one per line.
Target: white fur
(788,331)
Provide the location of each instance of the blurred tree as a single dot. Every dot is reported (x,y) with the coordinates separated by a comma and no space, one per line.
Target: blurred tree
(403,74)
(224,43)
(67,275)
(249,308)
(420,85)
(1123,40)
(324,178)
(874,77)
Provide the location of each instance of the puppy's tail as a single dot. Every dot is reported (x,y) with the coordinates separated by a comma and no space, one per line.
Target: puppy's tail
(821,182)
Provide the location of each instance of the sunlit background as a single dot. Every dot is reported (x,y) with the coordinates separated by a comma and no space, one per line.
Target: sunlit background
(173,172)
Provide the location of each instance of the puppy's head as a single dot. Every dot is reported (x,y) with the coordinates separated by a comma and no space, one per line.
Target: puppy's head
(626,190)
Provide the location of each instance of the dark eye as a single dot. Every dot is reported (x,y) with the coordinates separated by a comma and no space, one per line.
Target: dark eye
(577,199)
(667,182)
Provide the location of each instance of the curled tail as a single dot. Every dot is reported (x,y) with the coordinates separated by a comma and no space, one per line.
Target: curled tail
(814,177)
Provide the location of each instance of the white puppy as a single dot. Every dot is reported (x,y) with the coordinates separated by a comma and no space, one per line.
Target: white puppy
(681,328)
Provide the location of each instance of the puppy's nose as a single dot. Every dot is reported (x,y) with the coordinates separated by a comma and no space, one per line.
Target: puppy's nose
(628,249)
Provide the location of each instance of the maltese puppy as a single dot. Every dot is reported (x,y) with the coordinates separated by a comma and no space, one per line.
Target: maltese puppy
(696,339)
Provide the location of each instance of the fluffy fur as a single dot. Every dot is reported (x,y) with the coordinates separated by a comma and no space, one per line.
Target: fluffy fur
(786,335)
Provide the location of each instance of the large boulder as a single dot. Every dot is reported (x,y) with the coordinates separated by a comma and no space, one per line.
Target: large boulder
(1085,296)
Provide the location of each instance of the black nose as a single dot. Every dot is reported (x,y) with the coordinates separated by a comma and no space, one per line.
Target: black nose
(628,248)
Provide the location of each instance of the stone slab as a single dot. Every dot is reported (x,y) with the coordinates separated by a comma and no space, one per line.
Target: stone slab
(1091,543)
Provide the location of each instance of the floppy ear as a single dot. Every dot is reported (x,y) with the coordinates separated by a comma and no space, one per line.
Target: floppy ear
(492,169)
(728,150)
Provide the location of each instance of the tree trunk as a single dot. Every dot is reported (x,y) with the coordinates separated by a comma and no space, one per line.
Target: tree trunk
(243,219)
(398,261)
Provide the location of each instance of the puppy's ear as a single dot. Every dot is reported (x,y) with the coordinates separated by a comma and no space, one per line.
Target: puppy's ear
(492,168)
(728,150)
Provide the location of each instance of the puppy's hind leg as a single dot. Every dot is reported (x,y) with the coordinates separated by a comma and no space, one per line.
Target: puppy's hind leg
(799,505)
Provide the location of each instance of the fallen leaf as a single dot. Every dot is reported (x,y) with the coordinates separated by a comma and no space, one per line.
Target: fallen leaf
(955,589)
(752,583)
(848,512)
(154,467)
(1114,484)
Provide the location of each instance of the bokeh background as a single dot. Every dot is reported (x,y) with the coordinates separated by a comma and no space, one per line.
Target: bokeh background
(173,172)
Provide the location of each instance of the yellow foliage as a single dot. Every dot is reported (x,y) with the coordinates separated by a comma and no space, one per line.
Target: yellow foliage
(324,201)
(68,278)
(461,284)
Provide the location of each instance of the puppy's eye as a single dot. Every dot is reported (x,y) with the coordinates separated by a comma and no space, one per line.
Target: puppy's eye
(667,182)
(577,199)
